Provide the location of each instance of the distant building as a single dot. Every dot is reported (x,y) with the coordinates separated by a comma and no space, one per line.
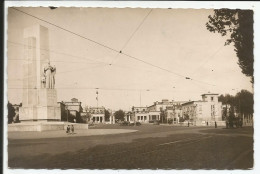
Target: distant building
(128,116)
(169,112)
(177,113)
(97,114)
(159,106)
(201,112)
(140,114)
(72,110)
(164,110)
(64,112)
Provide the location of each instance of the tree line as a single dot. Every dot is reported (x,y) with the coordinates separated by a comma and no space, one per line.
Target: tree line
(242,103)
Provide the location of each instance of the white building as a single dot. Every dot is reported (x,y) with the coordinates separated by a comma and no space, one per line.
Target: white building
(140,114)
(208,110)
(97,114)
(144,114)
(170,109)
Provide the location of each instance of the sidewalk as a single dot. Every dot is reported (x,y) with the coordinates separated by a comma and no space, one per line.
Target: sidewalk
(62,133)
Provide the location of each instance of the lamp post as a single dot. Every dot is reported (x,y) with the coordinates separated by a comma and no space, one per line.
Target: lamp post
(141,96)
(173,93)
(66,107)
(97,96)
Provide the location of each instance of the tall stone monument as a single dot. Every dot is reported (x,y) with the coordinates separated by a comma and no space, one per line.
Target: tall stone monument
(39,95)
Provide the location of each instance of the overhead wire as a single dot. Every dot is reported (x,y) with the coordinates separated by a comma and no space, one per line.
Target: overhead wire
(110,48)
(207,59)
(61,53)
(132,35)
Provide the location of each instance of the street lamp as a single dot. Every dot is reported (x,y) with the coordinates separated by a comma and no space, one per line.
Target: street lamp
(66,107)
(141,96)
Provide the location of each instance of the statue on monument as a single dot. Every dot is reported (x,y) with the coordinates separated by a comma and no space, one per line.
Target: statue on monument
(48,80)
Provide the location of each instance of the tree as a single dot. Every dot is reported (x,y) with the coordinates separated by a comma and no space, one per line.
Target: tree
(227,99)
(107,115)
(120,114)
(238,25)
(11,112)
(244,101)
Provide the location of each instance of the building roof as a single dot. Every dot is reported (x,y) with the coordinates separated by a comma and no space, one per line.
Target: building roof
(193,102)
(139,107)
(209,94)
(190,102)
(101,107)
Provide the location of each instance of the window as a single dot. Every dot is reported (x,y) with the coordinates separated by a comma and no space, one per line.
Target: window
(212,98)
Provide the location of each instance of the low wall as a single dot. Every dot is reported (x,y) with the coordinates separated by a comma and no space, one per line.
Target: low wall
(212,123)
(43,126)
(20,127)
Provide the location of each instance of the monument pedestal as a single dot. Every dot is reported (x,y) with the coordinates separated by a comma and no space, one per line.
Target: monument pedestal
(44,109)
(43,126)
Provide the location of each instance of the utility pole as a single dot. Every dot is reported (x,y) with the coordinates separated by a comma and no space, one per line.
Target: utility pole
(140,98)
(97,97)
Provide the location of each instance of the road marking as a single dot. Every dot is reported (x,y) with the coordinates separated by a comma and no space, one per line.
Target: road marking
(183,140)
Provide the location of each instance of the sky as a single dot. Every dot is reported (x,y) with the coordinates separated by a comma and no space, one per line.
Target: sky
(175,41)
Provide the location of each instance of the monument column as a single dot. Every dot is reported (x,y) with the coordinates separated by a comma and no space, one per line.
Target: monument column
(39,98)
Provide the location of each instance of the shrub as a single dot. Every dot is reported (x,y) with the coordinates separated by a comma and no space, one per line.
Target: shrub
(170,121)
(138,124)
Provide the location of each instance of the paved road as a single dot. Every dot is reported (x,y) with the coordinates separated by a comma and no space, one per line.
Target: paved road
(151,147)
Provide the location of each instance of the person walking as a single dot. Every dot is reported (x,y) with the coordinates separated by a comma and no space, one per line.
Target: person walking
(68,129)
(72,129)
(216,124)
(188,124)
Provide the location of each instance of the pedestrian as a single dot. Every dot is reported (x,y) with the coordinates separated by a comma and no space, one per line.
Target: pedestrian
(188,124)
(68,129)
(207,123)
(216,124)
(72,129)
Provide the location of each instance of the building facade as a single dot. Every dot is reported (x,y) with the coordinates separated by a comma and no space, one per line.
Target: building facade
(144,115)
(206,111)
(71,111)
(97,114)
(165,110)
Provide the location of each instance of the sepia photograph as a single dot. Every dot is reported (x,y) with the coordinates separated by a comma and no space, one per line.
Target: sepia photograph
(130,88)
